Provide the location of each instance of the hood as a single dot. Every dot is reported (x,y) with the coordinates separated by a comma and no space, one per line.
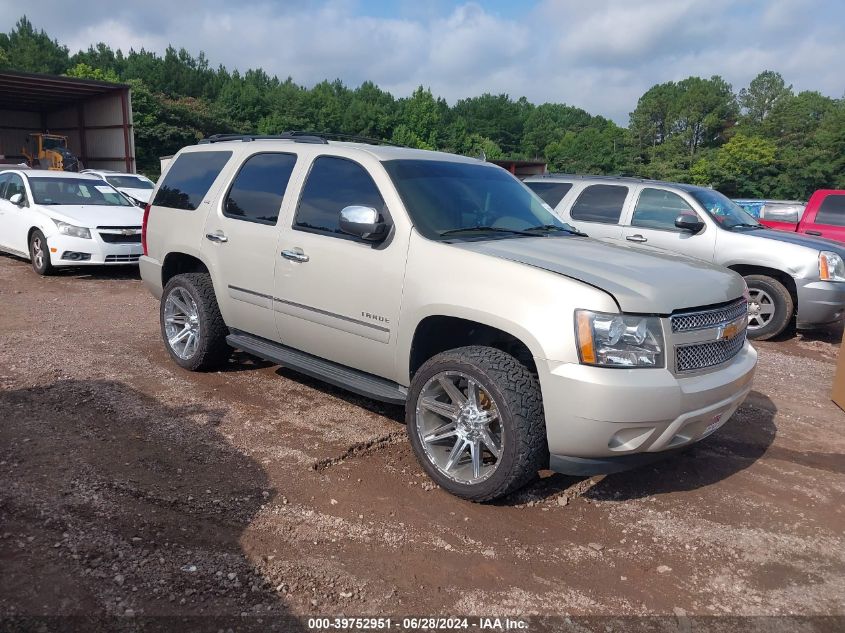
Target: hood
(642,280)
(139,194)
(92,216)
(798,239)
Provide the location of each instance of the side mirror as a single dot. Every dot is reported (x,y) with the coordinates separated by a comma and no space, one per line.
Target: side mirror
(363,222)
(17,200)
(689,222)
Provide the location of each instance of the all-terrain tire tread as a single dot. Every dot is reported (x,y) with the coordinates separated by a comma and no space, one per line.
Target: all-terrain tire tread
(521,390)
(213,351)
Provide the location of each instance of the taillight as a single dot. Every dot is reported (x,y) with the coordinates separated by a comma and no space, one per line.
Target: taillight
(144,229)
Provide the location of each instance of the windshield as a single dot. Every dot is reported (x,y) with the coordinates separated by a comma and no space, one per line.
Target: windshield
(129,182)
(52,142)
(445,198)
(726,213)
(60,191)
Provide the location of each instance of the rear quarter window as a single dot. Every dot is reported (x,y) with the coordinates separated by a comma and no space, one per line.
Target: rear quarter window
(600,203)
(832,210)
(550,192)
(189,179)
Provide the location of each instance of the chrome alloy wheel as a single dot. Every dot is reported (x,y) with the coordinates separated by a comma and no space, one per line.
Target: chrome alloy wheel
(181,323)
(37,252)
(761,308)
(459,427)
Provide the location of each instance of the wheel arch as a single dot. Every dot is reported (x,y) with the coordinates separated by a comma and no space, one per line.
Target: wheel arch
(783,277)
(437,333)
(177,263)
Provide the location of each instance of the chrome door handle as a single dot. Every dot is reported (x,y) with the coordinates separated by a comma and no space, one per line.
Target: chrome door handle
(216,237)
(295,256)
(636,238)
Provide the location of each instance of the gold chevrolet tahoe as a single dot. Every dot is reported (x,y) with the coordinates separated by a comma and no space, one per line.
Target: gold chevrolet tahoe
(442,283)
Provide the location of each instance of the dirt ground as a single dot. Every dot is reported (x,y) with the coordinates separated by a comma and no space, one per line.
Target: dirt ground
(132,488)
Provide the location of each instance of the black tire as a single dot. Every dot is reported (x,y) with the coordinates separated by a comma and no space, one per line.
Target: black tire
(39,254)
(516,394)
(775,294)
(211,348)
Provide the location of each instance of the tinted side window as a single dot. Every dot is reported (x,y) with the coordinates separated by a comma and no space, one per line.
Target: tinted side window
(4,178)
(657,209)
(15,185)
(550,192)
(832,210)
(334,183)
(189,179)
(600,203)
(257,192)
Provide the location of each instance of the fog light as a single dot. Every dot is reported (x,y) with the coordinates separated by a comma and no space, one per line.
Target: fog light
(75,256)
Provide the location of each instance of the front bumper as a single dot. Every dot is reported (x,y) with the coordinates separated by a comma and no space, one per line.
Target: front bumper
(819,302)
(66,250)
(601,420)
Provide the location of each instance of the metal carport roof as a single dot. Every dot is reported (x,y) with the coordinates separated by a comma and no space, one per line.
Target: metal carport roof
(45,93)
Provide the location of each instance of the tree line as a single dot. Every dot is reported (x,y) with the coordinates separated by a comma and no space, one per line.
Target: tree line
(765,140)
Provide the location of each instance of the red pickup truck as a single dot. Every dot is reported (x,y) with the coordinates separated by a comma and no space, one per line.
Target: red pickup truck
(824,214)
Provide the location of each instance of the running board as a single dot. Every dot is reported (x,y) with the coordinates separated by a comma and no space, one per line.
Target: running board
(353,380)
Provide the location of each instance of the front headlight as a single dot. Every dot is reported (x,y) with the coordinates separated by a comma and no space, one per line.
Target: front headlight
(831,267)
(73,231)
(618,340)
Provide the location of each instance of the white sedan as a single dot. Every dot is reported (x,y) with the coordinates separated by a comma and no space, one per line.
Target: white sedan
(56,218)
(137,186)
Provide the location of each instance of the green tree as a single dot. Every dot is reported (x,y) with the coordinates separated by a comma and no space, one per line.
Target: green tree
(740,167)
(33,51)
(763,94)
(84,71)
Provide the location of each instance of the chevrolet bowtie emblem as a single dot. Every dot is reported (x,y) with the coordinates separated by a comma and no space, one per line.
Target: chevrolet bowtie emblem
(129,231)
(731,329)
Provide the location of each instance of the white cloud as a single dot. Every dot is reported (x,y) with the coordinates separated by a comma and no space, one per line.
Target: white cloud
(600,55)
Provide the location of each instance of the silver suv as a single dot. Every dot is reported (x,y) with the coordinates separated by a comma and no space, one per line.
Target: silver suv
(443,284)
(789,275)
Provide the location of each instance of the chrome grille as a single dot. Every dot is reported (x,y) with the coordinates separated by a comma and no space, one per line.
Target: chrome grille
(689,321)
(701,355)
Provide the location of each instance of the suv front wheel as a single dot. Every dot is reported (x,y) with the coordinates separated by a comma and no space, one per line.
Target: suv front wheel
(191,324)
(475,422)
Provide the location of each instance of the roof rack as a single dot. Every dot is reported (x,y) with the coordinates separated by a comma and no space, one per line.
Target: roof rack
(319,138)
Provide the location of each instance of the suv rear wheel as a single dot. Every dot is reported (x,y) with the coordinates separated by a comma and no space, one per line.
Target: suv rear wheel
(191,324)
(475,422)
(770,307)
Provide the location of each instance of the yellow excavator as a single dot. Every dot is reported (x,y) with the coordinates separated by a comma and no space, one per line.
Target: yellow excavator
(49,151)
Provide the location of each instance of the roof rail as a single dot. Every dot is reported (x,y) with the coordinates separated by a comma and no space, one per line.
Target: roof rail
(320,138)
(297,137)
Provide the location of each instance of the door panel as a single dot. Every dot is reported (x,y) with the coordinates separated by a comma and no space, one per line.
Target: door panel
(240,238)
(14,219)
(653,223)
(829,220)
(336,296)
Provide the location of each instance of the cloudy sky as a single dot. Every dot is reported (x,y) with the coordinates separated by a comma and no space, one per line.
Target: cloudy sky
(600,55)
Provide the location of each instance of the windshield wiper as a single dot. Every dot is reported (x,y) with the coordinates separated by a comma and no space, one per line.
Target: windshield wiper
(486,229)
(555,227)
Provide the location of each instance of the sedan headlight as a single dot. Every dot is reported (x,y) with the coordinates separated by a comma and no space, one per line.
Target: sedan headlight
(73,231)
(618,340)
(831,267)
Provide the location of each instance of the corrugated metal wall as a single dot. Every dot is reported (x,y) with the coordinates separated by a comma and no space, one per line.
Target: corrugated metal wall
(14,128)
